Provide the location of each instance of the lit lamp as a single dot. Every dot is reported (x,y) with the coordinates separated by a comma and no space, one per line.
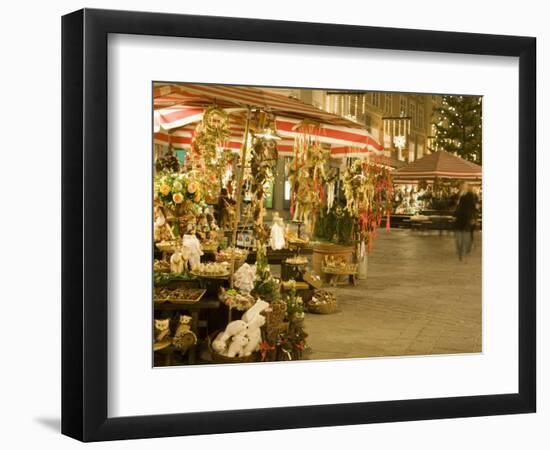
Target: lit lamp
(400,142)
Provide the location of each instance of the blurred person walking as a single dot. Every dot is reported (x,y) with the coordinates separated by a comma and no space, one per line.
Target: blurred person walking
(465,220)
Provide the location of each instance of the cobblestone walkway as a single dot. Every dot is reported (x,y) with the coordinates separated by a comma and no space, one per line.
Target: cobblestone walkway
(418,299)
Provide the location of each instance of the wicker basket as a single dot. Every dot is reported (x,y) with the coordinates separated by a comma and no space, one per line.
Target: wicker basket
(167,246)
(326,307)
(226,257)
(217,358)
(322,308)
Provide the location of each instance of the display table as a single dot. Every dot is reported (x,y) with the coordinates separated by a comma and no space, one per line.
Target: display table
(418,224)
(194,309)
(278,256)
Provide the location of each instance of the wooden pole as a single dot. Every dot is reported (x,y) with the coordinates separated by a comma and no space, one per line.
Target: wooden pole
(238,197)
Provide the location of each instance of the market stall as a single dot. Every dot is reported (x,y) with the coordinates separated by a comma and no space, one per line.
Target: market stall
(430,184)
(216,148)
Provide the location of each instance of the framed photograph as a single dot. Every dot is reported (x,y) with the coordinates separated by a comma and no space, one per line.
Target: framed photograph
(273,224)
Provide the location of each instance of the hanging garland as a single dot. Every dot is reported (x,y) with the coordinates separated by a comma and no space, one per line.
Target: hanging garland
(262,163)
(368,190)
(306,173)
(208,152)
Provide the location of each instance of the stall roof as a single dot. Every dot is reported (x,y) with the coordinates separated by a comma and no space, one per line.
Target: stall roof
(225,96)
(178,105)
(440,164)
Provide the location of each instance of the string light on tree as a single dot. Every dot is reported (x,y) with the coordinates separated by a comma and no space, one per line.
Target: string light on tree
(457,126)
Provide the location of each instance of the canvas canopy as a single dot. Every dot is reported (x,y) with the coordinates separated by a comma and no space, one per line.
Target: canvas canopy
(178,107)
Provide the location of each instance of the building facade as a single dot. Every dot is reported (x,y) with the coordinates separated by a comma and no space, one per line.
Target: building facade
(402,122)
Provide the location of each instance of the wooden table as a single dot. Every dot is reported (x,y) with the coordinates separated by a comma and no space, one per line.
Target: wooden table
(164,347)
(278,256)
(194,309)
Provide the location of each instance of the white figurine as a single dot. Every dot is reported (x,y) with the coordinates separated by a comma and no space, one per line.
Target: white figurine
(330,195)
(277,238)
(176,262)
(254,334)
(192,251)
(237,346)
(237,327)
(256,309)
(244,277)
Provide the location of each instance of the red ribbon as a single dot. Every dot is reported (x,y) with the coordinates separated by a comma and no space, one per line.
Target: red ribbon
(265,347)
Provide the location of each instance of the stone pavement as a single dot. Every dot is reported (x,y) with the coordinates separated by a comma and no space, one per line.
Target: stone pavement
(418,299)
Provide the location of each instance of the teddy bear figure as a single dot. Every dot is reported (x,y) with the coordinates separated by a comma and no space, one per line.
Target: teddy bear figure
(237,346)
(254,334)
(256,309)
(233,328)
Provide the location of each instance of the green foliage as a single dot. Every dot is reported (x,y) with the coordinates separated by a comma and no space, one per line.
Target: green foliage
(162,278)
(334,226)
(458,126)
(265,285)
(294,305)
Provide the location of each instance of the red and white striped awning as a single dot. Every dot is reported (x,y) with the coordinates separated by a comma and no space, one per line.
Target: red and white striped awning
(180,105)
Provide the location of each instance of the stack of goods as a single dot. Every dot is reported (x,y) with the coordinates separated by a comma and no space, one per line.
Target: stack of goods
(322,302)
(177,295)
(241,301)
(295,241)
(238,254)
(161,265)
(296,260)
(211,270)
(168,246)
(338,265)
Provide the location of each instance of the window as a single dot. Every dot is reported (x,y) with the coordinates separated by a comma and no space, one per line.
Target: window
(368,122)
(402,106)
(412,113)
(376,99)
(420,116)
(388,98)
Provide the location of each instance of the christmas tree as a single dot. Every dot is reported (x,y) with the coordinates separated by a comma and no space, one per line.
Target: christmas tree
(458,126)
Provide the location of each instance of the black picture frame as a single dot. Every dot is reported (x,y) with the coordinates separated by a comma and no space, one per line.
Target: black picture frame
(84,224)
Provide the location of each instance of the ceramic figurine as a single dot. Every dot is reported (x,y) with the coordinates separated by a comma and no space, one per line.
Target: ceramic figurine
(192,251)
(177,262)
(244,277)
(184,325)
(277,237)
(237,346)
(162,329)
(184,338)
(256,309)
